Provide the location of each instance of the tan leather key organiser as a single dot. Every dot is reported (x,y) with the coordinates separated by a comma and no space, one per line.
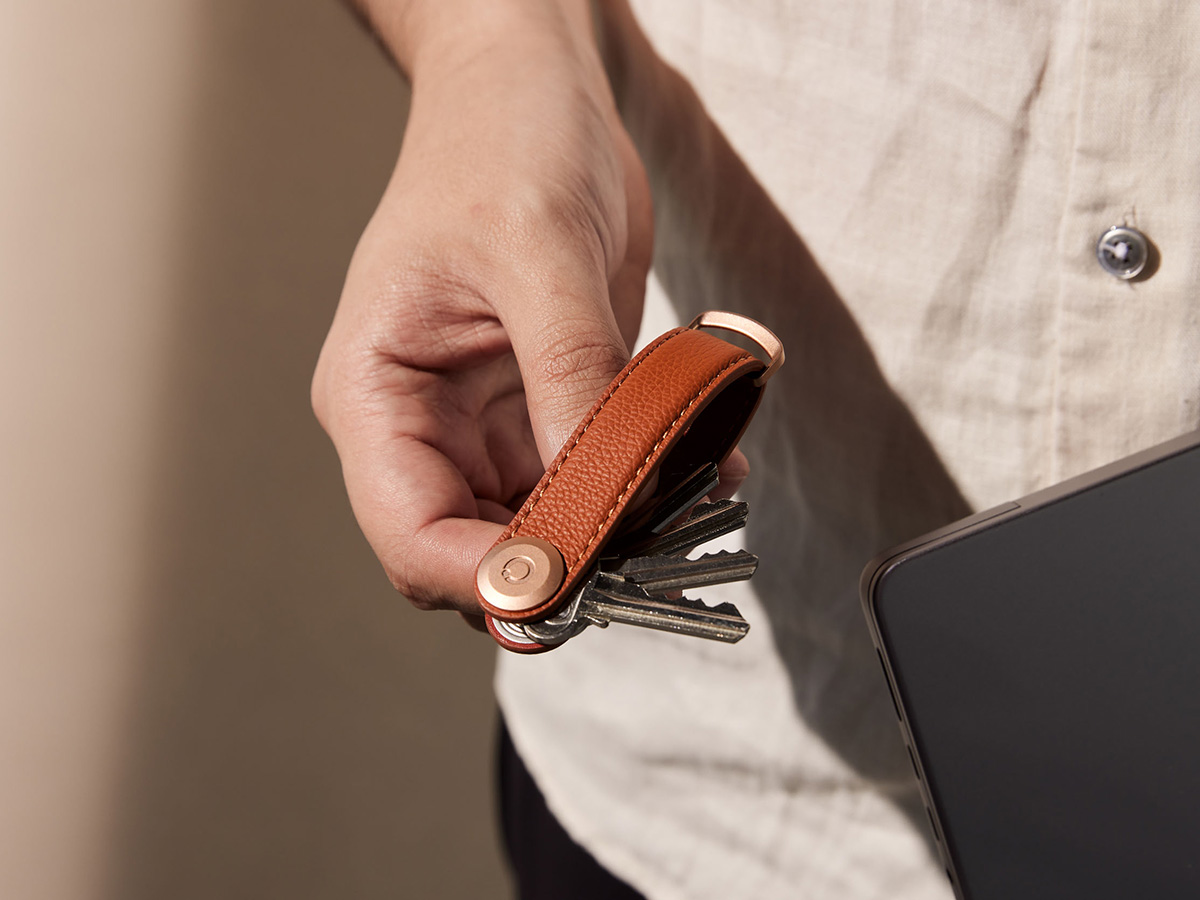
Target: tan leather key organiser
(585,549)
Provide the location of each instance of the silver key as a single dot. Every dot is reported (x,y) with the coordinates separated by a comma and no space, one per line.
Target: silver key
(671,573)
(631,595)
(631,582)
(612,600)
(705,522)
(606,599)
(665,510)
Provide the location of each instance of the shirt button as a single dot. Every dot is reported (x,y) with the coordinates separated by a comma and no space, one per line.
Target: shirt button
(1123,252)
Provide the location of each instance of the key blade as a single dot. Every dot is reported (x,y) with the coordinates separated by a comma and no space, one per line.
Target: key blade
(707,522)
(655,574)
(628,604)
(674,504)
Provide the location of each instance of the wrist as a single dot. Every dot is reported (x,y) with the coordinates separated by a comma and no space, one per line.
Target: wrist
(425,36)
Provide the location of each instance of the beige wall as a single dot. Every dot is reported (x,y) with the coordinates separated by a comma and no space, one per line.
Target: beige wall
(207,688)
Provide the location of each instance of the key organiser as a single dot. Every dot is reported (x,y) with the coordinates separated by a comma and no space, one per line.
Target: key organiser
(679,405)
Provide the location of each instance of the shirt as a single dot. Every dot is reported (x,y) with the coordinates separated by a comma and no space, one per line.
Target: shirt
(910,195)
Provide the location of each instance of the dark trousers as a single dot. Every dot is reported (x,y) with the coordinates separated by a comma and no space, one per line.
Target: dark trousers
(547,864)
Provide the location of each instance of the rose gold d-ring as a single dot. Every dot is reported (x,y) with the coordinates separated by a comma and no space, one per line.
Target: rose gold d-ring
(747,327)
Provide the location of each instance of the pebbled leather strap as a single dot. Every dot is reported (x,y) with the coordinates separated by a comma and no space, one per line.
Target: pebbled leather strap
(683,401)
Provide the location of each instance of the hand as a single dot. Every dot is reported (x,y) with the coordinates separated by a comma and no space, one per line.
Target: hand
(493,295)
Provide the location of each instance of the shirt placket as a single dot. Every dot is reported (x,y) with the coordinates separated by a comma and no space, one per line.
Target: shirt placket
(1126,349)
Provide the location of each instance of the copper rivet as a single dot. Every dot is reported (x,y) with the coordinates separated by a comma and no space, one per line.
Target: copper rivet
(520,573)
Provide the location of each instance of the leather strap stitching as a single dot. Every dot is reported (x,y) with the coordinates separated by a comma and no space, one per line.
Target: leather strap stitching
(649,456)
(612,389)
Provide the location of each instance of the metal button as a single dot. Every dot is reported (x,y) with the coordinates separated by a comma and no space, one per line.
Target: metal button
(520,573)
(1123,252)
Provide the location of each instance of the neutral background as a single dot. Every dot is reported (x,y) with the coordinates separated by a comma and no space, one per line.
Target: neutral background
(207,687)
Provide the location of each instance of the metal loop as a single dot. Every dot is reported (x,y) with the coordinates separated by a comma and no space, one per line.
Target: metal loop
(747,327)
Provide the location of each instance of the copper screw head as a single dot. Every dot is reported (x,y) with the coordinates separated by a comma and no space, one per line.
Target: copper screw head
(520,573)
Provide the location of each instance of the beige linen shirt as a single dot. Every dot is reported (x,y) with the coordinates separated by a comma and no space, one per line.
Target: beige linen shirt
(910,196)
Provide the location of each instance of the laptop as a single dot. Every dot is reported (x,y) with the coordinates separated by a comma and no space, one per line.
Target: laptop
(1044,659)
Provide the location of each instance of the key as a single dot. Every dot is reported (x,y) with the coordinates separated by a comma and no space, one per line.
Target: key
(675,503)
(705,522)
(612,600)
(632,580)
(670,573)
(606,599)
(631,596)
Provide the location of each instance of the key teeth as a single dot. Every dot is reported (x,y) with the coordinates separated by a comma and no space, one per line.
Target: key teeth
(721,609)
(748,557)
(650,561)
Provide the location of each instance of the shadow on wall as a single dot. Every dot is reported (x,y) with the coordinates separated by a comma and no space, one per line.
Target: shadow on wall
(298,730)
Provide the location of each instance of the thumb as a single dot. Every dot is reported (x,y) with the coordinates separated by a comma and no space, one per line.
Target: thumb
(567,343)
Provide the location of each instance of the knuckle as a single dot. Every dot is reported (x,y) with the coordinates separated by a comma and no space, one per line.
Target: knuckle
(538,215)
(400,581)
(318,396)
(576,356)
(408,285)
(338,380)
(419,603)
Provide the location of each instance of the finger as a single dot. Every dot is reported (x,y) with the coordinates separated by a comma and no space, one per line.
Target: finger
(627,287)
(476,622)
(627,291)
(498,512)
(553,299)
(732,472)
(566,340)
(416,511)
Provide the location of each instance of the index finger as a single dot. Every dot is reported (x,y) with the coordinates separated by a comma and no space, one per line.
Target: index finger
(418,514)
